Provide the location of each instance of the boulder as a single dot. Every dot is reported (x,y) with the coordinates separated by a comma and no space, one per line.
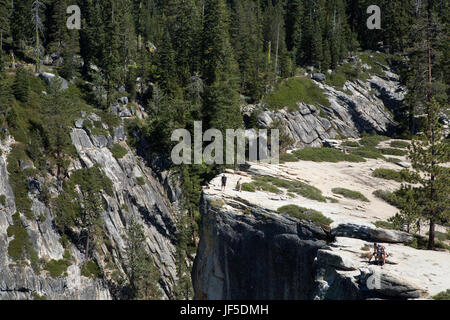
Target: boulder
(123,100)
(50,78)
(404,164)
(99,141)
(392,285)
(334,259)
(79,123)
(93,117)
(371,233)
(319,77)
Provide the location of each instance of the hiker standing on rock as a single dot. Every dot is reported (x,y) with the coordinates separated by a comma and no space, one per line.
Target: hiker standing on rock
(239,185)
(224,182)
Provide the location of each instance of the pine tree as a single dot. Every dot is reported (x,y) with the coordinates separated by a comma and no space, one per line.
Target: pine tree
(246,39)
(428,153)
(21,23)
(185,36)
(294,21)
(56,25)
(167,71)
(139,268)
(425,38)
(5,12)
(221,99)
(183,288)
(21,86)
(37,20)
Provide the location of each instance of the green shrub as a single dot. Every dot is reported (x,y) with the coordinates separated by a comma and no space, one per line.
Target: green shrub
(336,79)
(347,71)
(118,151)
(372,140)
(263,185)
(393,152)
(294,90)
(393,160)
(64,240)
(387,196)
(249,187)
(292,186)
(444,295)
(36,296)
(3,200)
(91,270)
(326,155)
(389,174)
(21,248)
(140,181)
(18,180)
(306,214)
(288,157)
(57,268)
(354,144)
(385,225)
(308,192)
(368,152)
(350,194)
(400,144)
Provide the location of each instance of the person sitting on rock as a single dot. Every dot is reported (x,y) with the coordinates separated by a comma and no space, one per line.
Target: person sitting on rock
(375,252)
(382,255)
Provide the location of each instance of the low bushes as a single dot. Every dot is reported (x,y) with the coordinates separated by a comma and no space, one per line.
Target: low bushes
(21,248)
(385,225)
(354,144)
(389,174)
(288,157)
(118,151)
(372,140)
(393,152)
(326,155)
(368,152)
(350,194)
(399,144)
(249,187)
(91,270)
(444,295)
(294,90)
(387,196)
(273,184)
(306,214)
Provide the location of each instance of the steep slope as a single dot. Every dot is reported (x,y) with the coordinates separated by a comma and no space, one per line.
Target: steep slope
(137,195)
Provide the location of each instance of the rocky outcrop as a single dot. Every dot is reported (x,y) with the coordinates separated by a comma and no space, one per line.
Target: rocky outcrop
(254,255)
(147,203)
(371,233)
(358,107)
(247,251)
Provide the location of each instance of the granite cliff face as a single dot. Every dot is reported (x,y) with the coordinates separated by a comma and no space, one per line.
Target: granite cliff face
(254,255)
(359,106)
(147,203)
